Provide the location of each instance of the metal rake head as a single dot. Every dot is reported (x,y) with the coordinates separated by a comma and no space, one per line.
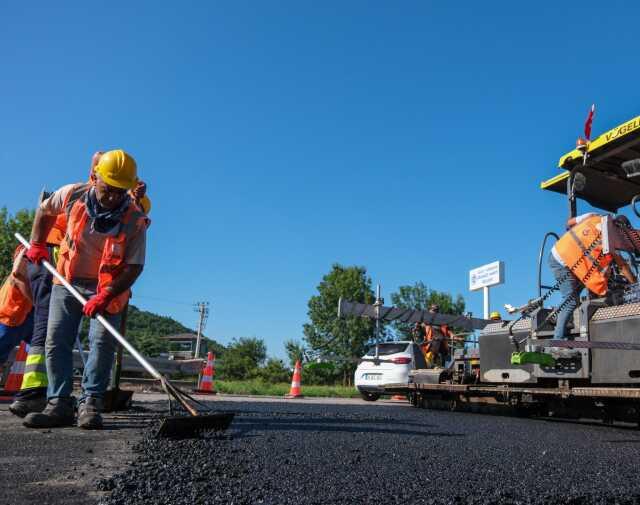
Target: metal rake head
(190,426)
(195,423)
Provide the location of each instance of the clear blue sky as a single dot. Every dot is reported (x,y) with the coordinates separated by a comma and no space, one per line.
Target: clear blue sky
(280,137)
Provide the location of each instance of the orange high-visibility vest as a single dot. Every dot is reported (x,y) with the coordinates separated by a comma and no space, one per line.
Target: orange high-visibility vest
(429,337)
(56,235)
(112,262)
(575,243)
(15,293)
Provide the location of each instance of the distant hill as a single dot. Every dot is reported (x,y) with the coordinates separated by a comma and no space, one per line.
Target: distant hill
(145,328)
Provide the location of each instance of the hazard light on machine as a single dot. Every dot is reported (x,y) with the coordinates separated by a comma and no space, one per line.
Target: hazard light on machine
(484,277)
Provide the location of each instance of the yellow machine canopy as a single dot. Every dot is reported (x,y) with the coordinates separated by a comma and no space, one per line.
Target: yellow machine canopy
(607,183)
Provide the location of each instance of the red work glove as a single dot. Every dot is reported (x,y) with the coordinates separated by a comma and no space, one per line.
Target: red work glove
(37,252)
(97,303)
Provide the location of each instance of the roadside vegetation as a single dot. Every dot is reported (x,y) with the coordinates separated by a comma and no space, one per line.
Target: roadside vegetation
(261,388)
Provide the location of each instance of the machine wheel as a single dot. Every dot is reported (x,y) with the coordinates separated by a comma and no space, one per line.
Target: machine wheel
(369,397)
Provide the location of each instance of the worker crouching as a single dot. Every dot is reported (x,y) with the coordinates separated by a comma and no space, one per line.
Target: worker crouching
(102,255)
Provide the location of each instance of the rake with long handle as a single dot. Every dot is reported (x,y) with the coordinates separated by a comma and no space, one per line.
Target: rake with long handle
(175,426)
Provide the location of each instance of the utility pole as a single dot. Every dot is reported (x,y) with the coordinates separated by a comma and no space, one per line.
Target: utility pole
(202,308)
(377,304)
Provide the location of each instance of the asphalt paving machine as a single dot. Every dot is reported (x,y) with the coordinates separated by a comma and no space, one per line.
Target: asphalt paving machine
(512,369)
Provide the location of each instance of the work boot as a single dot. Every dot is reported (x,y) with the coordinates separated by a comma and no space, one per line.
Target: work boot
(59,412)
(89,417)
(23,406)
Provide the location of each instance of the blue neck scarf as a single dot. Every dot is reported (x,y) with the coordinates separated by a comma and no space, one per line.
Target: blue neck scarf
(108,222)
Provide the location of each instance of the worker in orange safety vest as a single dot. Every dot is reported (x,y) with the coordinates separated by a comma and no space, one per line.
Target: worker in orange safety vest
(16,318)
(102,255)
(583,257)
(434,340)
(32,395)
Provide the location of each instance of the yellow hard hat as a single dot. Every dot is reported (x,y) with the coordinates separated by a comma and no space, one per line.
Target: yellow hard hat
(117,169)
(495,315)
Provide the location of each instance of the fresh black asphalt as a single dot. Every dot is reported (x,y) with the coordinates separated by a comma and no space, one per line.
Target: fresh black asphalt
(297,453)
(302,453)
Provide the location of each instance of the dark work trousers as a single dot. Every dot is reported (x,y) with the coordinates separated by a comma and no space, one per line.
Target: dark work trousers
(40,280)
(570,289)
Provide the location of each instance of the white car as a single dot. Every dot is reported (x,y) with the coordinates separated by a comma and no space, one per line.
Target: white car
(391,366)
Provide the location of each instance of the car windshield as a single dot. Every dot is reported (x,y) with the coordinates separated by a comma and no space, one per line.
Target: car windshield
(388,348)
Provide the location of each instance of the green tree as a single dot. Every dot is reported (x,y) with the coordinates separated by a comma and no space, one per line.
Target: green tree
(420,297)
(295,351)
(322,374)
(342,339)
(274,371)
(215,347)
(242,358)
(20,222)
(150,345)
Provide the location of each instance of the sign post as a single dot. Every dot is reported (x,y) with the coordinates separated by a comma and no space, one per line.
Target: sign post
(483,278)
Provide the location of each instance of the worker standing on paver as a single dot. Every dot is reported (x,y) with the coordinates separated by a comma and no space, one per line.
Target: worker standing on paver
(578,259)
(101,255)
(435,345)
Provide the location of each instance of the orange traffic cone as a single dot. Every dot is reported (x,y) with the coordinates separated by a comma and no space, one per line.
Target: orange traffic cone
(14,379)
(399,397)
(206,385)
(296,389)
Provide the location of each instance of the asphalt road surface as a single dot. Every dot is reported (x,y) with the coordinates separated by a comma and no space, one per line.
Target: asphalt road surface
(326,452)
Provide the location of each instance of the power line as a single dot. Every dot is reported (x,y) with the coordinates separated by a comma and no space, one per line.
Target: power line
(167,300)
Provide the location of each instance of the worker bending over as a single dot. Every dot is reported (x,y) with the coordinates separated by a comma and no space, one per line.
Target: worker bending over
(583,257)
(102,255)
(32,396)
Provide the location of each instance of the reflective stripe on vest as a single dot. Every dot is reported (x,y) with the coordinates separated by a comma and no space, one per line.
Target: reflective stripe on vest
(585,250)
(35,370)
(112,261)
(575,249)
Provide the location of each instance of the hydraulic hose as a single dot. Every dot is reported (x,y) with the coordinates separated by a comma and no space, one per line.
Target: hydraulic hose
(540,257)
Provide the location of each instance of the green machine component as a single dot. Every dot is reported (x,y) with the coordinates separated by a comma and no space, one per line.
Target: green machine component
(532,358)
